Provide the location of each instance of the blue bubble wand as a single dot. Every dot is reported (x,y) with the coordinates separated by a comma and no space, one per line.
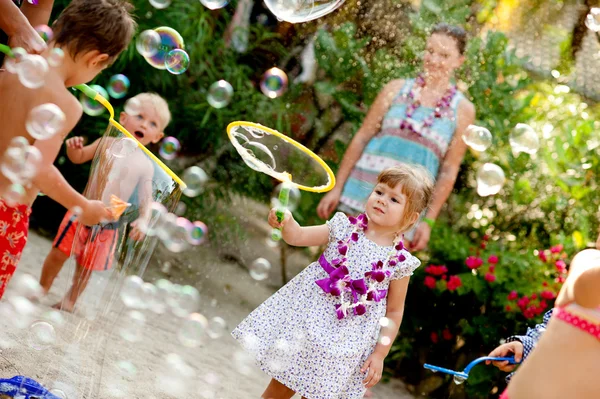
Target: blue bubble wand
(461,376)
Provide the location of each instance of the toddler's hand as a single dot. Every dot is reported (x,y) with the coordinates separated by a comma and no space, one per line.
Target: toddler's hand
(274,222)
(374,368)
(506,350)
(74,143)
(27,38)
(136,234)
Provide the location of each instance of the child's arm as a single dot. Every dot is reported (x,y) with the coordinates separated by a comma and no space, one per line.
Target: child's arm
(145,198)
(394,311)
(299,236)
(77,152)
(18,29)
(38,14)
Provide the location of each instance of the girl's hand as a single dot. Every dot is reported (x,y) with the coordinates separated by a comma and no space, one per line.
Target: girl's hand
(510,348)
(374,368)
(274,222)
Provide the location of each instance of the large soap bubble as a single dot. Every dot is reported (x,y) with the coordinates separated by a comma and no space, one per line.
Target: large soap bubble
(295,11)
(490,179)
(170,40)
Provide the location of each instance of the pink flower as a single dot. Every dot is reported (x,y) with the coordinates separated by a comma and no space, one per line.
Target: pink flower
(447,335)
(529,313)
(444,277)
(542,256)
(492,268)
(560,279)
(453,283)
(547,294)
(429,282)
(533,296)
(561,266)
(473,262)
(434,337)
(543,305)
(556,249)
(493,259)
(490,278)
(436,270)
(513,295)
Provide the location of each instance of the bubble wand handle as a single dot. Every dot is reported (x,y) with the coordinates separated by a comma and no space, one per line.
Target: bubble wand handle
(6,50)
(284,197)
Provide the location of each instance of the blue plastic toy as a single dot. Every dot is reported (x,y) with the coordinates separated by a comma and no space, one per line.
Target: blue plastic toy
(24,387)
(461,376)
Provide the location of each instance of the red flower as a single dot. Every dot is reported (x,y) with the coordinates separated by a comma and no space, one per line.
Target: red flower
(545,284)
(508,308)
(453,283)
(486,237)
(533,296)
(513,295)
(547,294)
(542,256)
(556,249)
(490,278)
(529,313)
(429,282)
(436,270)
(447,335)
(543,305)
(561,266)
(473,262)
(493,259)
(492,268)
(434,337)
(483,245)
(444,277)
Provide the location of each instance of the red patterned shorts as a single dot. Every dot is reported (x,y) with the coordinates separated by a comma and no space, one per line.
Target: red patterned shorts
(14,226)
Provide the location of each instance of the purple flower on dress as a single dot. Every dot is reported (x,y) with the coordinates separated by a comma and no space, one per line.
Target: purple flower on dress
(342,248)
(336,282)
(360,310)
(354,237)
(376,295)
(341,310)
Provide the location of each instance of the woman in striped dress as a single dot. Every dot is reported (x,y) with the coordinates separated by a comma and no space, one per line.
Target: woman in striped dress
(418,121)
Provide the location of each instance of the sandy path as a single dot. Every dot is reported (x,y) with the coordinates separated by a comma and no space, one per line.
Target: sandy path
(226,290)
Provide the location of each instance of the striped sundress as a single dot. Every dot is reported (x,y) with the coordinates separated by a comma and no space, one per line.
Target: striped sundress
(392,146)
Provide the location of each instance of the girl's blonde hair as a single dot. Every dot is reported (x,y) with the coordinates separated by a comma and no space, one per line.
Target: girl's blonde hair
(158,103)
(417,184)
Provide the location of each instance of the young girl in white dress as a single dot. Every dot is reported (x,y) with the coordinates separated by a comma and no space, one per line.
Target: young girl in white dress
(325,334)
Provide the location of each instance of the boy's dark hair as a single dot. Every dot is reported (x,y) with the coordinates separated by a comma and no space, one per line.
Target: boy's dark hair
(455,32)
(103,25)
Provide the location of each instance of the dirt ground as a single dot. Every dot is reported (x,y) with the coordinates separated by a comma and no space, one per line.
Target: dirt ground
(89,359)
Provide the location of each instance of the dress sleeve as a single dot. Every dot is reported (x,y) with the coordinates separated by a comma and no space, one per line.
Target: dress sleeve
(338,227)
(407,267)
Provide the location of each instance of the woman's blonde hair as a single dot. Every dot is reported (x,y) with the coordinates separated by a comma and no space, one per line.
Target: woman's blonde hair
(417,184)
(159,104)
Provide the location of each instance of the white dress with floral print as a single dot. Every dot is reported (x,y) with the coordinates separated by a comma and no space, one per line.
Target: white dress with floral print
(296,337)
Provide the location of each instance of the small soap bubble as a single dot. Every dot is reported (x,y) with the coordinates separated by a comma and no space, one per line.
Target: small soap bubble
(160,4)
(134,323)
(259,269)
(32,71)
(44,121)
(169,147)
(60,394)
(220,94)
(243,362)
(151,224)
(45,32)
(293,197)
(187,300)
(41,335)
(180,209)
(524,139)
(14,195)
(125,367)
(592,20)
(214,4)
(93,107)
(124,147)
(166,267)
(490,179)
(132,292)
(170,40)
(199,233)
(25,285)
(148,43)
(21,161)
(12,63)
(477,137)
(192,330)
(274,83)
(177,61)
(133,107)
(118,85)
(195,178)
(54,317)
(216,327)
(177,239)
(56,57)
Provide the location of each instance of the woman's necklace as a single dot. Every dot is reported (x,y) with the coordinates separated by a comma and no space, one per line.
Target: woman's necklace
(357,294)
(414,102)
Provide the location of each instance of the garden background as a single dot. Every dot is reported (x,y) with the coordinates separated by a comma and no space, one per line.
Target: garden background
(494,263)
